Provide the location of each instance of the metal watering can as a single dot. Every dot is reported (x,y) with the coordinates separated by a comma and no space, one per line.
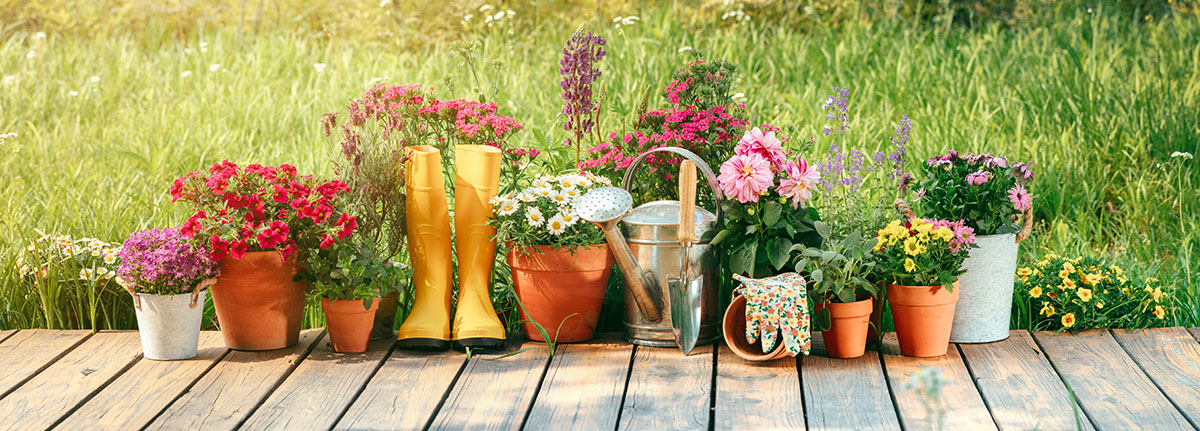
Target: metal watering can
(672,276)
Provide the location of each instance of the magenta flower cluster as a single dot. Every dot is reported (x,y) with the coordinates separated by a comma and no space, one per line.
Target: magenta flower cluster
(164,262)
(964,236)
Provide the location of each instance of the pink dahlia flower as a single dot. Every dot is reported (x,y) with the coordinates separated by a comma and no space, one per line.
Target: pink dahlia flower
(745,177)
(798,186)
(762,144)
(1022,200)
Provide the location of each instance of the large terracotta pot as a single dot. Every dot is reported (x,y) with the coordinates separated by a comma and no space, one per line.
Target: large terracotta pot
(847,334)
(556,283)
(349,324)
(733,326)
(259,307)
(923,316)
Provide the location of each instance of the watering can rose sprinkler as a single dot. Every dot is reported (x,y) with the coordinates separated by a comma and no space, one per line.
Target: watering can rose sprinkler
(667,271)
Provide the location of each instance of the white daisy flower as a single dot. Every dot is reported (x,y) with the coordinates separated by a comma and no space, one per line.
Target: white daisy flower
(542,182)
(534,216)
(186,74)
(31,248)
(110,275)
(24,270)
(320,67)
(572,194)
(96,244)
(101,271)
(110,252)
(545,193)
(95,253)
(569,218)
(1185,155)
(68,250)
(561,198)
(110,259)
(86,274)
(507,206)
(556,225)
(569,181)
(526,197)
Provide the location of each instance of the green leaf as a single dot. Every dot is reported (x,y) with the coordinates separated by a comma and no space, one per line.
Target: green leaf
(822,229)
(822,320)
(720,236)
(742,259)
(817,275)
(778,250)
(771,213)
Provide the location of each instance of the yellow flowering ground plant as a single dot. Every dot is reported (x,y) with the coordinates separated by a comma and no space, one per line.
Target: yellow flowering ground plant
(1061,293)
(922,252)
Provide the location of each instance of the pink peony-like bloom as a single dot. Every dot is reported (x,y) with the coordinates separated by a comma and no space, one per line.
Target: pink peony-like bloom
(762,144)
(745,177)
(1022,200)
(798,186)
(978,178)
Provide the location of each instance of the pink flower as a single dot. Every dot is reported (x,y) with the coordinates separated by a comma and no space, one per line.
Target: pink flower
(798,185)
(977,178)
(1022,200)
(745,177)
(763,144)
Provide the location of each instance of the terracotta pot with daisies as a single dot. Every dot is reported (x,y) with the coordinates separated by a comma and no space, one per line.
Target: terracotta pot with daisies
(255,221)
(560,263)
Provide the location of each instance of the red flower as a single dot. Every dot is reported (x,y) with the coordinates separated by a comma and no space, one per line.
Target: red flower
(220,248)
(192,224)
(237,249)
(327,241)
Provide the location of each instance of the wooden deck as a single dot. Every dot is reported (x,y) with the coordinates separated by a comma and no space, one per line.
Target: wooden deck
(72,380)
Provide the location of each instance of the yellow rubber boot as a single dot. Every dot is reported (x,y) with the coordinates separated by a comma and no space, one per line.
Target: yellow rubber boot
(476,181)
(428,225)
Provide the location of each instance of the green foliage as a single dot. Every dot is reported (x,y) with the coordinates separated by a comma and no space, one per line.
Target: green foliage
(985,207)
(840,270)
(1090,292)
(758,238)
(351,270)
(921,252)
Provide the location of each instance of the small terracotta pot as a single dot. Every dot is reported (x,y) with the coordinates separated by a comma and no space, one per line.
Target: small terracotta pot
(733,327)
(554,284)
(349,324)
(923,317)
(875,329)
(847,334)
(259,307)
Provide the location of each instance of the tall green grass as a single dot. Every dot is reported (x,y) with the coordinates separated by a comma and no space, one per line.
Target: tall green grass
(1097,101)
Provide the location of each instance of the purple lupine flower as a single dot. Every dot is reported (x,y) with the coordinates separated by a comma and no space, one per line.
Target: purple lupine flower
(163,261)
(579,72)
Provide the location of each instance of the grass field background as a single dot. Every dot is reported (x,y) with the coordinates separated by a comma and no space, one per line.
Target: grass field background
(110,108)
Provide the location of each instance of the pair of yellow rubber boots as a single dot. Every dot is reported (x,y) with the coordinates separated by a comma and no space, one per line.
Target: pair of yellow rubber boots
(477,180)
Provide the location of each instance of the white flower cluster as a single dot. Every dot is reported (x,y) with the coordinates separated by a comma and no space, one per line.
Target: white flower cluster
(497,18)
(625,21)
(64,248)
(1185,155)
(555,193)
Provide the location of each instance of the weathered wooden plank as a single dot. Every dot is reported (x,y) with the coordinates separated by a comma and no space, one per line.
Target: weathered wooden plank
(62,386)
(6,333)
(1195,333)
(757,395)
(30,351)
(322,387)
(405,392)
(1021,389)
(668,391)
(842,394)
(583,388)
(1114,392)
(140,393)
(963,406)
(232,389)
(494,393)
(1171,358)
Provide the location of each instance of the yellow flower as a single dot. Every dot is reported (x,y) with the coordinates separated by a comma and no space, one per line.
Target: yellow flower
(1099,304)
(1068,320)
(1036,292)
(1151,280)
(1085,294)
(1068,284)
(879,242)
(913,247)
(909,265)
(917,221)
(1047,309)
(1156,294)
(1064,274)
(1092,279)
(1024,271)
(1159,311)
(944,233)
(1068,267)
(923,228)
(1042,263)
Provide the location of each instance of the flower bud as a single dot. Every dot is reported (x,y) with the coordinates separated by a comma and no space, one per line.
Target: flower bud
(750,211)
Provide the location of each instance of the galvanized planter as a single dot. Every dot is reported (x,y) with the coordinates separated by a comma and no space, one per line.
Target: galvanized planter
(169,325)
(985,303)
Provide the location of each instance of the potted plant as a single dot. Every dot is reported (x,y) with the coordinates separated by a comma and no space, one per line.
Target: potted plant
(560,263)
(760,231)
(166,274)
(921,261)
(988,194)
(256,219)
(349,279)
(840,275)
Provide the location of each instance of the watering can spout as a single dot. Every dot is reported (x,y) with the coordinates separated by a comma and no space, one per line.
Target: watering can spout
(605,206)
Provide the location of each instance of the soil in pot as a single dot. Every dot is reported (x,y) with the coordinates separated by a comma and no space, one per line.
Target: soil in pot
(847,334)
(559,287)
(733,326)
(923,316)
(259,306)
(349,324)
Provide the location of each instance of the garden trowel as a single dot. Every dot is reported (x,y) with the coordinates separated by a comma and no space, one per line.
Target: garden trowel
(686,291)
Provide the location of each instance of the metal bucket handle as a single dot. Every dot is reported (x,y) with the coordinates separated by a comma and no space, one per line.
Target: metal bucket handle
(708,173)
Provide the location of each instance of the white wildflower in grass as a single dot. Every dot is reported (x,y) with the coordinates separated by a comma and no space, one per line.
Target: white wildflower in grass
(72,93)
(320,67)
(31,248)
(110,275)
(506,207)
(110,252)
(1184,155)
(543,182)
(556,225)
(561,198)
(385,3)
(86,274)
(186,74)
(41,35)
(376,80)
(9,80)
(739,97)
(95,244)
(485,8)
(534,216)
(101,271)
(684,49)
(624,21)
(203,46)
(110,259)
(214,67)
(94,79)
(95,253)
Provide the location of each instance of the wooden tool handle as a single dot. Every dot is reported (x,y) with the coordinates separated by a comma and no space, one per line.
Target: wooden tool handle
(687,201)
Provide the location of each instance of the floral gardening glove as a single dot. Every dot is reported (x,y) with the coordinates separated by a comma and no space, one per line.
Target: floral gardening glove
(773,303)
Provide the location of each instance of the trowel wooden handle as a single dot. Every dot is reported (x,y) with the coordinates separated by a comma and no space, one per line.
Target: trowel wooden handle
(687,201)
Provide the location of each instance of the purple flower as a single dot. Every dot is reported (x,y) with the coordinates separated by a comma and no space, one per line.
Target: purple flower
(163,261)
(1022,200)
(978,177)
(578,72)
(1022,172)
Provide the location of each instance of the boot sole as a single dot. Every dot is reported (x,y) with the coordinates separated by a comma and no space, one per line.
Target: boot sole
(423,344)
(486,344)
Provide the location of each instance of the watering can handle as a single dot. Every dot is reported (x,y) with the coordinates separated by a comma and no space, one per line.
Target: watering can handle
(708,173)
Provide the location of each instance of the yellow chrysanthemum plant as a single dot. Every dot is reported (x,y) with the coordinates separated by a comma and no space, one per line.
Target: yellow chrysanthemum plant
(923,252)
(1061,293)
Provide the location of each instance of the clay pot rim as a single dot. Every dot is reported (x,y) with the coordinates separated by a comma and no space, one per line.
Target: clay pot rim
(337,304)
(778,352)
(847,309)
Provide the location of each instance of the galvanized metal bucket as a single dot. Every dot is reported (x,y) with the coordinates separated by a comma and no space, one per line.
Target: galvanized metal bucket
(651,231)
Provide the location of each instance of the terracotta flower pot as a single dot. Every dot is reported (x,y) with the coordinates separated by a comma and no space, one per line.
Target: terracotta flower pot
(923,316)
(349,324)
(847,334)
(259,307)
(733,326)
(385,317)
(554,284)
